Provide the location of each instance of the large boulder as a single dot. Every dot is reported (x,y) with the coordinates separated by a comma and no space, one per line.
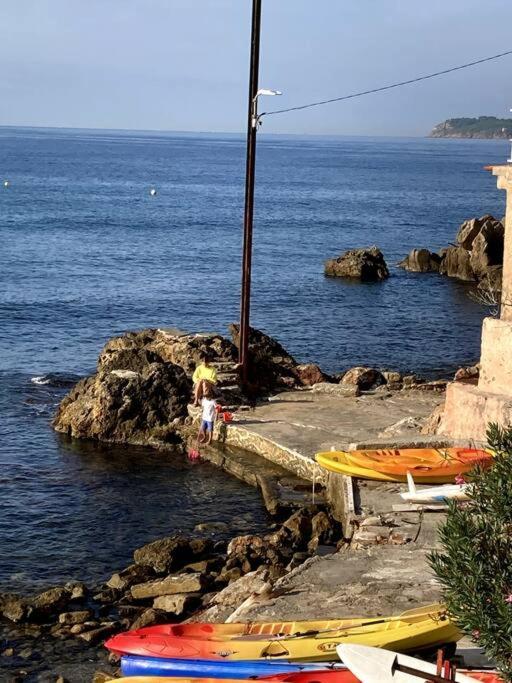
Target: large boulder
(271,367)
(421,261)
(127,406)
(363,378)
(171,553)
(487,248)
(367,265)
(456,262)
(469,230)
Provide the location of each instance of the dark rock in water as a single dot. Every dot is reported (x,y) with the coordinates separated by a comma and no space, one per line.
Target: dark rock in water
(367,265)
(50,602)
(363,378)
(456,262)
(487,248)
(168,554)
(77,590)
(124,406)
(421,261)
(71,618)
(135,573)
(14,608)
(469,230)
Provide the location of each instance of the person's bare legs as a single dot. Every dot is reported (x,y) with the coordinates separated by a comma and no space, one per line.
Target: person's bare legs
(209,436)
(198,392)
(200,437)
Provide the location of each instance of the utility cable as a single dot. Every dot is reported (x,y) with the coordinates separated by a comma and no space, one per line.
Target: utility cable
(386,87)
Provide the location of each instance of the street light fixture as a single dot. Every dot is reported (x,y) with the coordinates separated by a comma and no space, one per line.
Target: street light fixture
(262,91)
(253,121)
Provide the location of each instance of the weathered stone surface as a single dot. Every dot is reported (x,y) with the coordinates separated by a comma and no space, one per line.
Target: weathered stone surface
(134,409)
(77,590)
(310,374)
(321,531)
(97,634)
(49,602)
(421,261)
(237,591)
(108,596)
(343,390)
(70,618)
(392,377)
(487,249)
(457,263)
(135,573)
(173,552)
(433,422)
(14,608)
(149,617)
(171,585)
(176,604)
(271,367)
(469,230)
(366,265)
(467,374)
(363,378)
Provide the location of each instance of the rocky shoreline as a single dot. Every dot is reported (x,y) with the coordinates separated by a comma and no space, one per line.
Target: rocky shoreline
(139,395)
(171,579)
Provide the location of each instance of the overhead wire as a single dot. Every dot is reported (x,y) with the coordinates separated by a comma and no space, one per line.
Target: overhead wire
(385,87)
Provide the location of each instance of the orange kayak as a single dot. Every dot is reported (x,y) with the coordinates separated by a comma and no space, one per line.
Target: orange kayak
(421,462)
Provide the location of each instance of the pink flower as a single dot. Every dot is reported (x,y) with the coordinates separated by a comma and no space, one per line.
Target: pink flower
(475,634)
(509,598)
(459,479)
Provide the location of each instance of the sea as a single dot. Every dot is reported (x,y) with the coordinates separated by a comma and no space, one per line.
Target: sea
(88,252)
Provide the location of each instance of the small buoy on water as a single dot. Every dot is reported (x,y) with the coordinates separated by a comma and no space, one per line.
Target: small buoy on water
(6,183)
(152,192)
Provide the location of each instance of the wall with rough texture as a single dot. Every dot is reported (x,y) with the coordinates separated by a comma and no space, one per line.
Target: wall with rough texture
(469,410)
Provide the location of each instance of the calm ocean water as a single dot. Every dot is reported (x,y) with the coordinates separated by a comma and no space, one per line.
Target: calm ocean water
(88,254)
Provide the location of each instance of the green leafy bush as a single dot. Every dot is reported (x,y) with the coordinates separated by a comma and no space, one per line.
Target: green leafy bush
(474,566)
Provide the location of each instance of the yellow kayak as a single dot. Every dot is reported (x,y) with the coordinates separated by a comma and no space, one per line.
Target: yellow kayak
(416,629)
(339,462)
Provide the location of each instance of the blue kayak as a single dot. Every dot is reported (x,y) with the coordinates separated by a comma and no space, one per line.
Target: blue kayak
(205,668)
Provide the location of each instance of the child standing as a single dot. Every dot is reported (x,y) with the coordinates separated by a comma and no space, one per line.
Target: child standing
(208,404)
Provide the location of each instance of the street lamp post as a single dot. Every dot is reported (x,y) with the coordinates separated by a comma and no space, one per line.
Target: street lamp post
(252,128)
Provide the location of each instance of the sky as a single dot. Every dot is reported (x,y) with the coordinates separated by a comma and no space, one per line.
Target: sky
(182,65)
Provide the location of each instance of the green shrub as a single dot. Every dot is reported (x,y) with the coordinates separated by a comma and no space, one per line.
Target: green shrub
(474,566)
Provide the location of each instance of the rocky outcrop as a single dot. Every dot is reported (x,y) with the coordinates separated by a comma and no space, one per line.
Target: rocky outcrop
(143,383)
(272,368)
(126,405)
(421,261)
(363,378)
(367,265)
(477,255)
(456,262)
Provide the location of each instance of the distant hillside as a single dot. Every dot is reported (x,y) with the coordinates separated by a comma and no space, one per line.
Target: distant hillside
(482,127)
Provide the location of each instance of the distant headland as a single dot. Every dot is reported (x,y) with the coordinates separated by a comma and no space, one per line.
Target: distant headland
(486,127)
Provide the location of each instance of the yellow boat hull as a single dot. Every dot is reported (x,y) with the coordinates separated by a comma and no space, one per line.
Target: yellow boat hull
(337,461)
(417,629)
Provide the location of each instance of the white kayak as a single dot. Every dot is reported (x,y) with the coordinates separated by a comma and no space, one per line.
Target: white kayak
(434,494)
(373,665)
